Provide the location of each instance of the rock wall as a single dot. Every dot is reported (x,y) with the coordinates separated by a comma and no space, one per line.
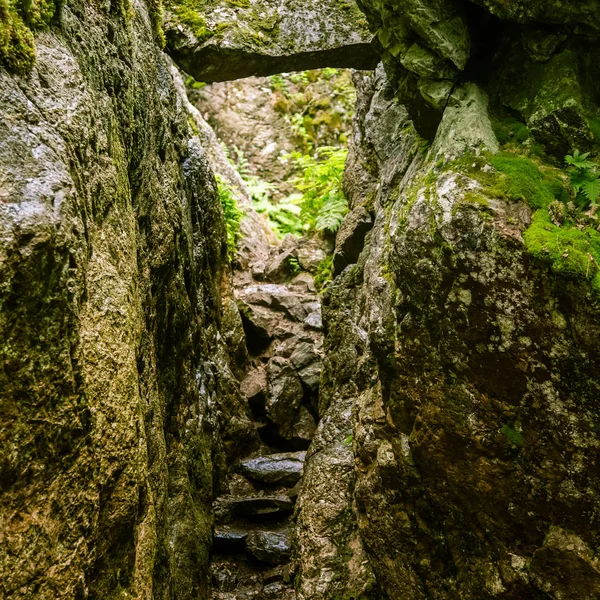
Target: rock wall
(464,355)
(112,257)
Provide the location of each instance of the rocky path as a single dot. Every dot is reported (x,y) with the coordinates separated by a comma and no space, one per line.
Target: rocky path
(254,517)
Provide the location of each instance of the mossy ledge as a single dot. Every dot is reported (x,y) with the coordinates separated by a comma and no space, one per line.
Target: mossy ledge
(562,234)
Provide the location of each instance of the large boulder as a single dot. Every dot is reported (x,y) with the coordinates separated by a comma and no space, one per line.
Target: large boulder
(468,360)
(219,41)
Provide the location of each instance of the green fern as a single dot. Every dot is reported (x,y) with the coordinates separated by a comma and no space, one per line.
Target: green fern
(579,160)
(585,177)
(233,215)
(323,204)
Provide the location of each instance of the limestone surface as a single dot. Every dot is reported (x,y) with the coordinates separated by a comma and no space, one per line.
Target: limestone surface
(220,41)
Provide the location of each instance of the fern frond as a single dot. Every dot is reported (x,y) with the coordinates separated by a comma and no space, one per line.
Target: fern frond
(591,190)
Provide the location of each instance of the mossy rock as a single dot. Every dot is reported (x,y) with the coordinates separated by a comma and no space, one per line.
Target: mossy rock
(221,40)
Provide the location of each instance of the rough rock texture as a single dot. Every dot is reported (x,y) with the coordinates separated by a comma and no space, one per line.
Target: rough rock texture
(471,372)
(220,41)
(112,258)
(428,45)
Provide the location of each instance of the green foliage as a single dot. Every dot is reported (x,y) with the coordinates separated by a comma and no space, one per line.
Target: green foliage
(585,177)
(233,215)
(513,436)
(283,217)
(191,83)
(571,251)
(323,273)
(348,440)
(323,204)
(317,105)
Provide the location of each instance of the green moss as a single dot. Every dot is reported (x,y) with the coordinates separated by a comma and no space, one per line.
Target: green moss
(18,19)
(524,181)
(559,234)
(570,251)
(193,19)
(324,272)
(509,130)
(155,9)
(513,436)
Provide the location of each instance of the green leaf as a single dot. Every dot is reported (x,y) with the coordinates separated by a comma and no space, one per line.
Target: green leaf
(591,190)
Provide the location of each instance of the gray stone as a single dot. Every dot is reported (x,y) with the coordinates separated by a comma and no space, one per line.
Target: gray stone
(230,507)
(285,391)
(285,469)
(425,63)
(436,92)
(465,126)
(314,321)
(304,425)
(308,363)
(350,238)
(268,36)
(271,547)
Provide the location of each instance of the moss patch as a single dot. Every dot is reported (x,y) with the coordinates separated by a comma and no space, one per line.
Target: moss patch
(17,20)
(572,252)
(513,436)
(509,130)
(560,234)
(523,180)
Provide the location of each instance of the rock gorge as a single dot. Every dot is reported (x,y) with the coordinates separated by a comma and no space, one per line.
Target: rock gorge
(180,423)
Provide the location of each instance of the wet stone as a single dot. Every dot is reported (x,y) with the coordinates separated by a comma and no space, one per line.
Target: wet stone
(229,539)
(285,391)
(270,547)
(260,505)
(285,468)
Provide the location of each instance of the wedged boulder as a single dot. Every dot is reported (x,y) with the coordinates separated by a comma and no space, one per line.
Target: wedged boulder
(271,547)
(277,297)
(284,391)
(466,126)
(221,40)
(285,468)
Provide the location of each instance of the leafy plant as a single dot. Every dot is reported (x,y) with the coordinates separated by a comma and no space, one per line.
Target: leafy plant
(324,272)
(322,203)
(585,177)
(233,215)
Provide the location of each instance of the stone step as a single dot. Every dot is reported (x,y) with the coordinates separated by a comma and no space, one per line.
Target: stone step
(229,507)
(270,546)
(285,468)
